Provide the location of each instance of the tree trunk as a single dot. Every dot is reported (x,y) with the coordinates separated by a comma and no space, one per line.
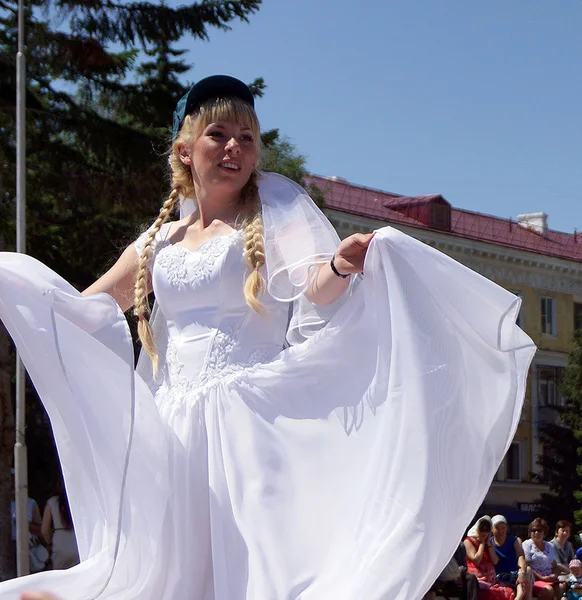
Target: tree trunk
(7,367)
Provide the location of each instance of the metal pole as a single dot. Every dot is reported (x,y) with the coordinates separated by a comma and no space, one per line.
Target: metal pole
(20,456)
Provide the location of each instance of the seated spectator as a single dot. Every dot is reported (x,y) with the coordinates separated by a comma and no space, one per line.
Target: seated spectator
(481,561)
(574,580)
(540,556)
(511,567)
(455,578)
(562,547)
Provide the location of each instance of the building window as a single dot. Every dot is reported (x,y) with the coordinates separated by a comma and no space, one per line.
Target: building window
(548,316)
(548,386)
(513,463)
(441,216)
(500,473)
(577,316)
(510,467)
(519,320)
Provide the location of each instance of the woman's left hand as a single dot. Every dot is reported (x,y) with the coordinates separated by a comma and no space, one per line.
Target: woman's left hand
(351,253)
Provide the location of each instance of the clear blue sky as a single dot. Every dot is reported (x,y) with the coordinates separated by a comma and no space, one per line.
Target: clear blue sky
(480,101)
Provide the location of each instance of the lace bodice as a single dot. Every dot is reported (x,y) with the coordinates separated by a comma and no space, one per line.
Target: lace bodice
(211,331)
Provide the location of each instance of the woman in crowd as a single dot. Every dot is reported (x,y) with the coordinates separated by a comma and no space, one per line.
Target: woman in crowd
(481,561)
(562,544)
(57,530)
(511,567)
(540,556)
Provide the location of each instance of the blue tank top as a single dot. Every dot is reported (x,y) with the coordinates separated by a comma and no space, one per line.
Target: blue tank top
(507,557)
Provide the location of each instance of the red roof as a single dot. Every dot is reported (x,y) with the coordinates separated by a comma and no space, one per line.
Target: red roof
(395,208)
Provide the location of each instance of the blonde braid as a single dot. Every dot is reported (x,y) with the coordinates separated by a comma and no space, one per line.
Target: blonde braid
(182,185)
(141,300)
(254,252)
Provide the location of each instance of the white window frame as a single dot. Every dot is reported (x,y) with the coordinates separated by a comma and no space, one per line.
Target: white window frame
(548,309)
(553,391)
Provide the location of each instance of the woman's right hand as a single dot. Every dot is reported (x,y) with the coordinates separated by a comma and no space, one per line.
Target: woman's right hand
(351,253)
(550,578)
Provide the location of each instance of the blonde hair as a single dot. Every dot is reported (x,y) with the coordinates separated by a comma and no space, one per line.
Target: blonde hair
(221,109)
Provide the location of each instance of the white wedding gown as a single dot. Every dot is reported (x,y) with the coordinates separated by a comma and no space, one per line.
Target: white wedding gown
(346,467)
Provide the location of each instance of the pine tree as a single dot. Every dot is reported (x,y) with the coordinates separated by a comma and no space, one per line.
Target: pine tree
(561,461)
(102,82)
(572,389)
(98,117)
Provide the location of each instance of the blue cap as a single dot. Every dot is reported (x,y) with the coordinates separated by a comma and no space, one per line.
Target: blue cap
(215,86)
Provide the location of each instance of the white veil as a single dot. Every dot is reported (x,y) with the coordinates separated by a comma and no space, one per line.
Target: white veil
(298,237)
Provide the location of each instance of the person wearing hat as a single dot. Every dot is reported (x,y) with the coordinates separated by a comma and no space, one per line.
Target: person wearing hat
(511,568)
(481,561)
(299,400)
(574,580)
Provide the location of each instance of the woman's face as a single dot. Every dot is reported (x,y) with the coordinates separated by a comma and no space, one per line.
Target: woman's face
(222,158)
(563,534)
(537,535)
(484,533)
(500,530)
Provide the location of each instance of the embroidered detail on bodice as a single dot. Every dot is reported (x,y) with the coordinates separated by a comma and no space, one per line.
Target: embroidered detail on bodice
(172,258)
(217,360)
(175,268)
(177,388)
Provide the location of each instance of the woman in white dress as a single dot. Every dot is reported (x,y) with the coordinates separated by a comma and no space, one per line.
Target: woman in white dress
(294,430)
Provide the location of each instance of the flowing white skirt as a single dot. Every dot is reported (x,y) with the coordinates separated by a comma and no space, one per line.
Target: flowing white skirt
(347,468)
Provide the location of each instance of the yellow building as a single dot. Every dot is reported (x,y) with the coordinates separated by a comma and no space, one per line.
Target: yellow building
(542,266)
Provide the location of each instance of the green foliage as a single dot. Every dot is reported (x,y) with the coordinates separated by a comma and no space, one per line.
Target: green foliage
(561,461)
(102,82)
(97,120)
(572,388)
(281,156)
